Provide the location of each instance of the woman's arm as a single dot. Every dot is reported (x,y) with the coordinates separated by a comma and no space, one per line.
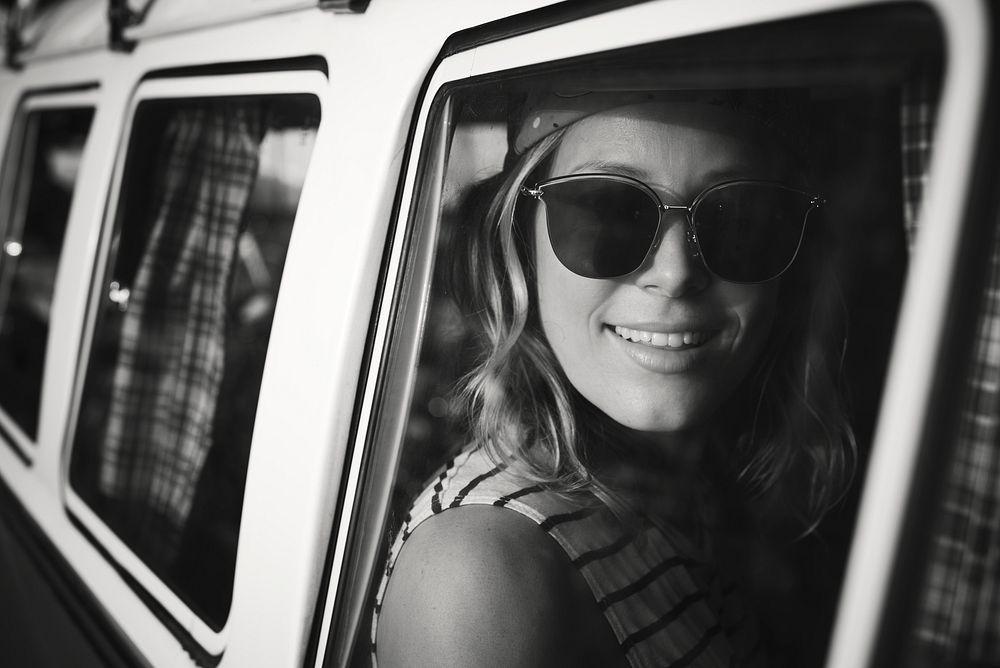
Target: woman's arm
(483,586)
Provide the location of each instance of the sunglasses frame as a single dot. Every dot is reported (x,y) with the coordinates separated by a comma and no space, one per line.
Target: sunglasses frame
(690,211)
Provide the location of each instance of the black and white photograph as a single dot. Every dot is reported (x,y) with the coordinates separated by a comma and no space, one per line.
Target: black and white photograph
(527,334)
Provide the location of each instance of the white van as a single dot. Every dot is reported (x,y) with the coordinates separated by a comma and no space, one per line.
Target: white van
(225,352)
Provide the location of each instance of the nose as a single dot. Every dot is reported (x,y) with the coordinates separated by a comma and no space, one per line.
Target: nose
(672,267)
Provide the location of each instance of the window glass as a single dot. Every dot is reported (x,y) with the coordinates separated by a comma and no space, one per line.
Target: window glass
(944,605)
(825,93)
(166,417)
(41,172)
(945,611)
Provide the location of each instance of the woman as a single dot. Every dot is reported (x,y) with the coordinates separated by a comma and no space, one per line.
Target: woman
(652,360)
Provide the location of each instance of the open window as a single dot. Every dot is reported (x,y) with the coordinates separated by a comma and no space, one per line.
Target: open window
(871,113)
(181,312)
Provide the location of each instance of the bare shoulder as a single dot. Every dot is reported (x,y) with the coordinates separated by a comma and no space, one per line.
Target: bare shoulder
(479,585)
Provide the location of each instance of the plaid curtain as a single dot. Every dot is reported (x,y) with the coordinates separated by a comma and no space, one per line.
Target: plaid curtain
(172,340)
(958,618)
(959,615)
(918,104)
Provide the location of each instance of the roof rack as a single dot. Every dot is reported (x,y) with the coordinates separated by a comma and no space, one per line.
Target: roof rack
(345,6)
(122,15)
(14,32)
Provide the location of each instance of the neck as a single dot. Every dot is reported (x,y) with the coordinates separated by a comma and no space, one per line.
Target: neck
(610,440)
(657,473)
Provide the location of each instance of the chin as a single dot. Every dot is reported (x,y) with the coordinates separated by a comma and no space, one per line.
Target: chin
(658,421)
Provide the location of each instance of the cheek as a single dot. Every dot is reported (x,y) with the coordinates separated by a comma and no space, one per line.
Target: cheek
(755,307)
(563,297)
(568,305)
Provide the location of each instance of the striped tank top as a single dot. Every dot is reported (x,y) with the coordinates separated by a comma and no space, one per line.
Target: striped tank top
(666,606)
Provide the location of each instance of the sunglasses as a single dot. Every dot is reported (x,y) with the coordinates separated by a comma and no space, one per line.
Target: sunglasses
(605,225)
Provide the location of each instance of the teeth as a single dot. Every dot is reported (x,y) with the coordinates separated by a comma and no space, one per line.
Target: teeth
(662,339)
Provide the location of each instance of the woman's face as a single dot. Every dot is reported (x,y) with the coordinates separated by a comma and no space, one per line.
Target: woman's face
(661,349)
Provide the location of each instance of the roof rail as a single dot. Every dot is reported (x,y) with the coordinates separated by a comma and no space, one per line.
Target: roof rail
(14,32)
(122,15)
(345,6)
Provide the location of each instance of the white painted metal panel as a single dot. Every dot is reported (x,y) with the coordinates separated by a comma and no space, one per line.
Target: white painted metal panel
(174,16)
(66,27)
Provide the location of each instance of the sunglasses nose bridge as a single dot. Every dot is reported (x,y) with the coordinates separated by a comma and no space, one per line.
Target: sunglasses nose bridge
(688,227)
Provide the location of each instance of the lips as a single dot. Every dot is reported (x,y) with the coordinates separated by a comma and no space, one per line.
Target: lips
(677,340)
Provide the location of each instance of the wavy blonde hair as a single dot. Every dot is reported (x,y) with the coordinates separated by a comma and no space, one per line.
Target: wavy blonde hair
(793,436)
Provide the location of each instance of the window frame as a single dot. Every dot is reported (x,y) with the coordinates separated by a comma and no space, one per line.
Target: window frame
(11,433)
(205,644)
(912,369)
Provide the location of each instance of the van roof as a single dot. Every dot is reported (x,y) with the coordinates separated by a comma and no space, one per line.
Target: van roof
(66,26)
(53,28)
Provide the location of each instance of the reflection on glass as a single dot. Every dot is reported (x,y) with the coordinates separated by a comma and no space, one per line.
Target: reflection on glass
(210,193)
(44,172)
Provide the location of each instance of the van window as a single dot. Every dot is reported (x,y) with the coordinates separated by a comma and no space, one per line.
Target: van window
(208,199)
(40,173)
(845,77)
(946,608)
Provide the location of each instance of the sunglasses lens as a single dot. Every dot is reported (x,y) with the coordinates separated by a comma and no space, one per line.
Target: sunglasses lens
(750,232)
(599,227)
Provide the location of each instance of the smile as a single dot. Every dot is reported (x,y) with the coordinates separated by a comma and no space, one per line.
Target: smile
(662,339)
